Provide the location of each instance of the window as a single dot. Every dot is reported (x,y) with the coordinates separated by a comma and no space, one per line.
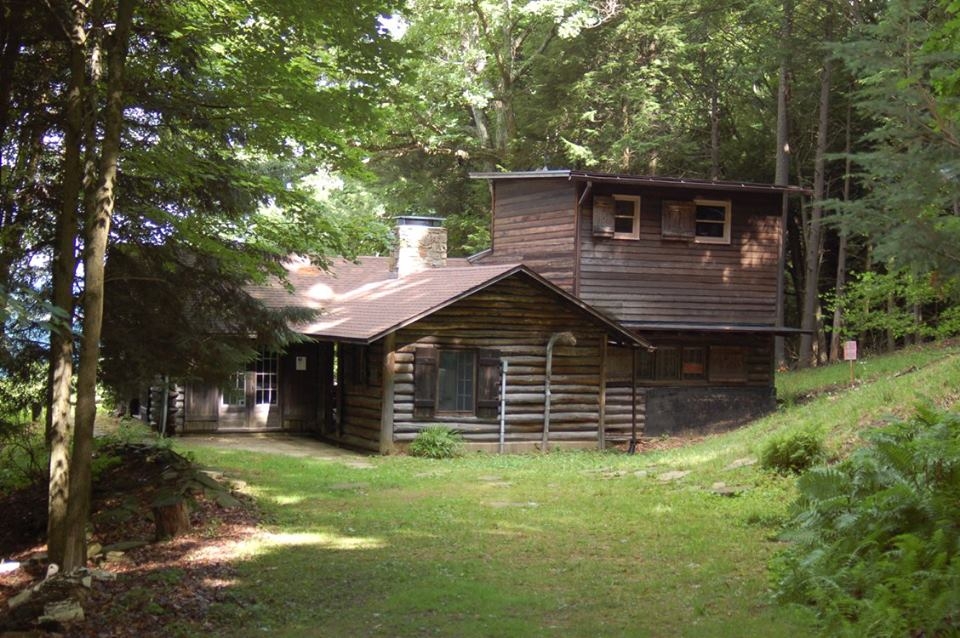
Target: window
(712,221)
(234,390)
(668,365)
(626,217)
(456,381)
(694,364)
(265,370)
(728,363)
(703,221)
(616,216)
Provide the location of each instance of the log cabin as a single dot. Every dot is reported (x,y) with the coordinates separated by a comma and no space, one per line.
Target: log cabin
(607,306)
(694,267)
(497,352)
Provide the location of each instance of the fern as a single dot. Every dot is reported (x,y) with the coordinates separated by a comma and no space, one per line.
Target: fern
(875,541)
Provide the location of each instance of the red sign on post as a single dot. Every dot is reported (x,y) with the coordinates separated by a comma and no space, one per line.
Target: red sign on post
(849,350)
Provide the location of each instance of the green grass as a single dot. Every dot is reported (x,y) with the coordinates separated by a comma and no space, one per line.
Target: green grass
(565,544)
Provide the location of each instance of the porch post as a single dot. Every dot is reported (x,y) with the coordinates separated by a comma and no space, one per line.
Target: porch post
(386,396)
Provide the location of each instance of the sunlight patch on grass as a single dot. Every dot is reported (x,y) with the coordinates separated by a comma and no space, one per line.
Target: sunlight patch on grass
(268,541)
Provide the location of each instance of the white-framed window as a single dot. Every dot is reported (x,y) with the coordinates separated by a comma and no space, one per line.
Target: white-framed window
(626,217)
(712,221)
(234,390)
(266,369)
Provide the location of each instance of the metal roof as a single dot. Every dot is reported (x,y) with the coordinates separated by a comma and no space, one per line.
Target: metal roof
(643,180)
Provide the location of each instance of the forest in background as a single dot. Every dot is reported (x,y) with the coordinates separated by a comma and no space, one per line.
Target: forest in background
(198,143)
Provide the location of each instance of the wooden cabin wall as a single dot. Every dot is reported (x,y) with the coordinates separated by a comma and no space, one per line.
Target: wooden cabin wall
(299,388)
(675,406)
(361,399)
(516,318)
(655,279)
(535,223)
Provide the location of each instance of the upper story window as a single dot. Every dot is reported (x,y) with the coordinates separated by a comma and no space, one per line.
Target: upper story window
(616,216)
(626,217)
(704,221)
(712,221)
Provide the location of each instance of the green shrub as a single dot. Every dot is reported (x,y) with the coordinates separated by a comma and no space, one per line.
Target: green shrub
(437,442)
(793,452)
(875,538)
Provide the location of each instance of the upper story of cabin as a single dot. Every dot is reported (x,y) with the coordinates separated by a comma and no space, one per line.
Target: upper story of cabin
(653,252)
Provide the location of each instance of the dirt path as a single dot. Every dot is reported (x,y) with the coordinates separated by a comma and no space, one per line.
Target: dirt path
(278,443)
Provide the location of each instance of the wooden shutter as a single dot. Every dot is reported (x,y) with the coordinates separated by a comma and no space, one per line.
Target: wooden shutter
(678,220)
(604,216)
(728,363)
(488,384)
(424,381)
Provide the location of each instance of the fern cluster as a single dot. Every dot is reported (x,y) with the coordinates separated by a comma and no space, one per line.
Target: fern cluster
(876,538)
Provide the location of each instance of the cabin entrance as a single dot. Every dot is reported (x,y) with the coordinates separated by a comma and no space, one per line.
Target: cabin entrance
(250,400)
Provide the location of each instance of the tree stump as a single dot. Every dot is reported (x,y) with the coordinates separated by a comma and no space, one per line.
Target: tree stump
(171,516)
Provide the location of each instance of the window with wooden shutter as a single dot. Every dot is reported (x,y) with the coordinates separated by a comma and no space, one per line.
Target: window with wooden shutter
(424,381)
(678,220)
(694,363)
(604,216)
(456,381)
(668,364)
(728,363)
(488,384)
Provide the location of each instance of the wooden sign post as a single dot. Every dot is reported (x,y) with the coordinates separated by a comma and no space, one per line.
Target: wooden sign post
(850,354)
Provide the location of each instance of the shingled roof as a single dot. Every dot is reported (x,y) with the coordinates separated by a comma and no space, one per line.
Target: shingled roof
(362,302)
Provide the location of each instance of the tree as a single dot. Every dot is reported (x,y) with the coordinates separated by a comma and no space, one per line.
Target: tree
(179,119)
(907,162)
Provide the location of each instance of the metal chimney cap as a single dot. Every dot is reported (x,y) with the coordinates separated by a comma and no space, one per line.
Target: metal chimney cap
(418,220)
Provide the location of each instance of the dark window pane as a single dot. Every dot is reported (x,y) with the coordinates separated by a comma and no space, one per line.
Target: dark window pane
(456,383)
(711,213)
(623,225)
(708,229)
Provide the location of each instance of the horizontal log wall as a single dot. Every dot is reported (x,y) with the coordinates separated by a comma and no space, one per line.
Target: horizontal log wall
(534,222)
(517,318)
(362,400)
(653,279)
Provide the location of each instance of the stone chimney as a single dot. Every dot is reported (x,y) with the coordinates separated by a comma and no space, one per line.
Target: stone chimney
(421,244)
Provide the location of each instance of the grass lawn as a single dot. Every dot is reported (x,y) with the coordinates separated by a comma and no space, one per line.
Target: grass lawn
(564,544)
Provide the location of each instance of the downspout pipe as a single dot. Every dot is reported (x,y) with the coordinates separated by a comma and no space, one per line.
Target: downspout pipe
(503,403)
(564,339)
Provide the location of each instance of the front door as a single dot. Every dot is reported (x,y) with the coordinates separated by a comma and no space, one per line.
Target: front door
(250,398)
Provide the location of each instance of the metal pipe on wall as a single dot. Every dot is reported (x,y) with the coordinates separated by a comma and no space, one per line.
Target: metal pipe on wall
(564,339)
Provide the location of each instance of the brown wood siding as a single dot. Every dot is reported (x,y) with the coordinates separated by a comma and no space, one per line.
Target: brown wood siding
(652,279)
(298,388)
(516,318)
(758,351)
(534,222)
(361,399)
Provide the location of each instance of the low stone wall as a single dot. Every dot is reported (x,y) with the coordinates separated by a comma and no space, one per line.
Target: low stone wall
(676,410)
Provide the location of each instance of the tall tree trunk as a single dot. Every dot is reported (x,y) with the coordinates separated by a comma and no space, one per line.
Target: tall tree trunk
(60,375)
(811,279)
(782,176)
(714,133)
(841,280)
(96,234)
